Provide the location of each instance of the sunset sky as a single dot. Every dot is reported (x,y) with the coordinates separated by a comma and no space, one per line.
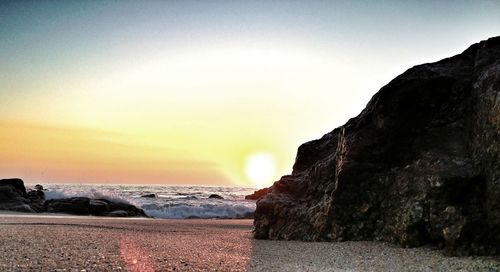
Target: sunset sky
(202,92)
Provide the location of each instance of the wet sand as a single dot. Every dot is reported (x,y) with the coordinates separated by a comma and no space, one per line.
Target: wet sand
(70,243)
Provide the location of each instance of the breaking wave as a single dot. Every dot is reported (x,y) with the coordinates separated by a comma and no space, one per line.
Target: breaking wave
(205,210)
(170,202)
(90,193)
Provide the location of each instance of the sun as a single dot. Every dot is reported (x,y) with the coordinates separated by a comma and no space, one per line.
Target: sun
(260,169)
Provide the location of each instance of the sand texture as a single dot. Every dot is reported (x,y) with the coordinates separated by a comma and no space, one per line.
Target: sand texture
(67,243)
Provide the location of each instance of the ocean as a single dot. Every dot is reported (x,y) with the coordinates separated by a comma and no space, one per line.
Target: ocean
(171,202)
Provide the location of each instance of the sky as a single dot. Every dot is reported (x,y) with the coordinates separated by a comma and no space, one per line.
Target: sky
(202,92)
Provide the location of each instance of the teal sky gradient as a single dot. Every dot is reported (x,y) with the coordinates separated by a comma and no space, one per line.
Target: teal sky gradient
(41,39)
(44,37)
(215,80)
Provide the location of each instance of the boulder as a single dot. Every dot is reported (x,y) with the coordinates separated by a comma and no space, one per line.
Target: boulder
(88,206)
(73,205)
(257,194)
(130,209)
(420,164)
(16,183)
(13,196)
(98,206)
(17,207)
(118,213)
(215,196)
(149,195)
(9,193)
(37,199)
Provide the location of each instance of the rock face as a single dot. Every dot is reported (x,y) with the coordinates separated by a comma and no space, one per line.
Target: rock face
(13,197)
(215,196)
(419,165)
(16,183)
(149,195)
(88,206)
(257,194)
(37,198)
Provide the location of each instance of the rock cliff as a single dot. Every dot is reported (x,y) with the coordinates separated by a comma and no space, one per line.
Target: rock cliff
(420,164)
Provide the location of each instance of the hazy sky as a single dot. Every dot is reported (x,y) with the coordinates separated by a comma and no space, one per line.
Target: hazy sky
(202,92)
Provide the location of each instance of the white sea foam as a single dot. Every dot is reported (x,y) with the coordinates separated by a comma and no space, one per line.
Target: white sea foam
(55,195)
(83,192)
(206,210)
(175,202)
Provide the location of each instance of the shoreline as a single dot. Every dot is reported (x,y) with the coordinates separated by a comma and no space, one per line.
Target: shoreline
(33,241)
(163,201)
(7,213)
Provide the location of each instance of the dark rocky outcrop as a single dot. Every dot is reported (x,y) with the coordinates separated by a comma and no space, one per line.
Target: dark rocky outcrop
(88,206)
(15,183)
(73,205)
(420,164)
(119,207)
(149,195)
(215,196)
(37,198)
(13,197)
(257,194)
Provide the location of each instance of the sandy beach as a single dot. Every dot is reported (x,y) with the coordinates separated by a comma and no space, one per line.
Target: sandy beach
(70,243)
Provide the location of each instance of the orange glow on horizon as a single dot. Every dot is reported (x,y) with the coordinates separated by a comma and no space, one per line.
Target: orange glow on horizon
(55,154)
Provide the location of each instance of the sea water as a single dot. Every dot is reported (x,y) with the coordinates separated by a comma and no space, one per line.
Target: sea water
(171,202)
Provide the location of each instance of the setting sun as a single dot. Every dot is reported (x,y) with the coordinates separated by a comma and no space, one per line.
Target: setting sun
(260,169)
